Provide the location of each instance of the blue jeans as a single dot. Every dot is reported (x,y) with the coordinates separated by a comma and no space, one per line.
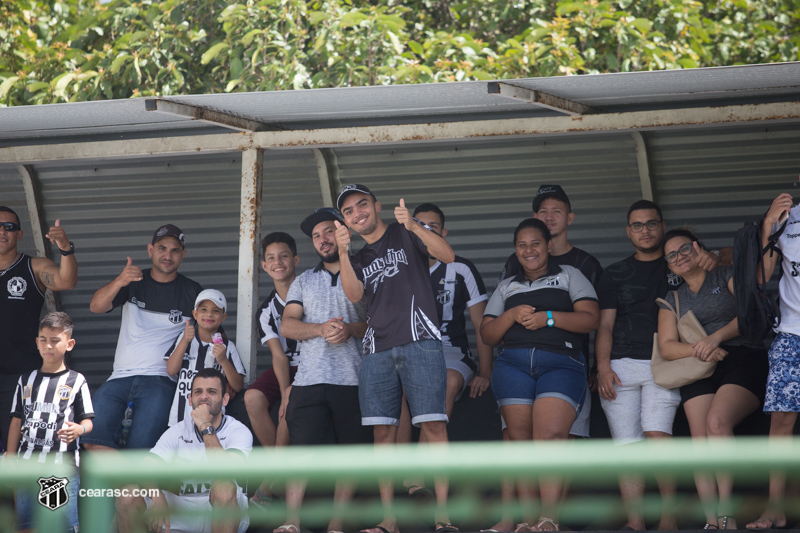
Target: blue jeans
(521,375)
(418,368)
(152,398)
(28,496)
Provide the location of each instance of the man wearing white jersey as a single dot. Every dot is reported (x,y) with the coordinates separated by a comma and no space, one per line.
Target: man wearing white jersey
(189,442)
(154,303)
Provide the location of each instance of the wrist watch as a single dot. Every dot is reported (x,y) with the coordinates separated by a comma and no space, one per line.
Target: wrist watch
(208,431)
(71,250)
(550,321)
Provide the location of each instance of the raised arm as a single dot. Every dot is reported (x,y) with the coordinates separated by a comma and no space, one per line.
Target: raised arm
(436,245)
(103,299)
(353,288)
(57,277)
(779,208)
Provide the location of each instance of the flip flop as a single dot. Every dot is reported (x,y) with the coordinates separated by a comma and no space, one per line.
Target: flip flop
(415,492)
(446,527)
(383,529)
(544,520)
(287,528)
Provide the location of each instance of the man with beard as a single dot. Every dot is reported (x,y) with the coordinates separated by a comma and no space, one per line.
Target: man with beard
(188,442)
(154,302)
(25,280)
(325,390)
(637,408)
(402,346)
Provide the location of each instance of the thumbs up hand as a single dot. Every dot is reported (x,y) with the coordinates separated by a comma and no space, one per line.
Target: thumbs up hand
(130,273)
(403,216)
(342,237)
(58,236)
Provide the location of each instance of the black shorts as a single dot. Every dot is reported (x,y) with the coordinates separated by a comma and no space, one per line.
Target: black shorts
(315,409)
(743,366)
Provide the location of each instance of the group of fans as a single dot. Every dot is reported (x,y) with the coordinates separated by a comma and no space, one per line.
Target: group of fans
(378,339)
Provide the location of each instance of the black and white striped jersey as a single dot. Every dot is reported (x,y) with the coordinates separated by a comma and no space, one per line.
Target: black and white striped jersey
(457,286)
(44,402)
(269,327)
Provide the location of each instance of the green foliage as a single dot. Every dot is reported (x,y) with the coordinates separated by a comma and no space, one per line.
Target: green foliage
(74,50)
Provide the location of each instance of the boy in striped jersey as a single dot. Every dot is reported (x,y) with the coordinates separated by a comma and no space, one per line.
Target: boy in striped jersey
(51,411)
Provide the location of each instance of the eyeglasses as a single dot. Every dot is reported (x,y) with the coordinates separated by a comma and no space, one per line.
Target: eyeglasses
(10,226)
(684,250)
(637,227)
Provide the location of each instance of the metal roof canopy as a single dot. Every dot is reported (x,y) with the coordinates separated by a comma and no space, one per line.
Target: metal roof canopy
(249,123)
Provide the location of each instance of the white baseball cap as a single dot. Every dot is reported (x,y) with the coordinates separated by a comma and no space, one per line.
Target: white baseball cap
(214,295)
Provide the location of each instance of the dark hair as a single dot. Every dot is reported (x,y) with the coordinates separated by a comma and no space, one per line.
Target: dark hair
(278,236)
(211,372)
(642,205)
(57,320)
(532,223)
(6,209)
(682,232)
(429,208)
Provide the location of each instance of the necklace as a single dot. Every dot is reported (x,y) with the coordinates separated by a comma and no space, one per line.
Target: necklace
(9,267)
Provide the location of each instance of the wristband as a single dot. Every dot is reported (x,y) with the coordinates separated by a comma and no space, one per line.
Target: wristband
(84,430)
(68,252)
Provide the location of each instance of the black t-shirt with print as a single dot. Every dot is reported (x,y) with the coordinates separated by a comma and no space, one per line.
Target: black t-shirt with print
(631,287)
(397,287)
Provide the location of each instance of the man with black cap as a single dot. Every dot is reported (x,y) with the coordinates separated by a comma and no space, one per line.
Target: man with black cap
(402,346)
(325,389)
(154,303)
(24,280)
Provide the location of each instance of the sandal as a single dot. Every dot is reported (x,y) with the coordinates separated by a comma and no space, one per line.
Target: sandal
(261,500)
(287,528)
(544,520)
(446,527)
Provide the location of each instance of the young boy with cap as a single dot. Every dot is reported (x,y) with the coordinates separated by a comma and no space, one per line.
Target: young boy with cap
(203,347)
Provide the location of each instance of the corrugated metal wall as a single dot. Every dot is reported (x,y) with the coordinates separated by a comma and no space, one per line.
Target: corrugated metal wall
(714,179)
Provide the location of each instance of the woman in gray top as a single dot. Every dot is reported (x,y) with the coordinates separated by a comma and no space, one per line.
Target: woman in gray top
(715,405)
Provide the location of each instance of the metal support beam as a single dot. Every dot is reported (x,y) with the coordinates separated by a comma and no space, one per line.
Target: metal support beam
(328,171)
(207,114)
(556,103)
(643,162)
(249,250)
(778,112)
(35,216)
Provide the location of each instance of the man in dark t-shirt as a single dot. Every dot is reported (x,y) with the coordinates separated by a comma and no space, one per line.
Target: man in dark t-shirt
(402,346)
(635,407)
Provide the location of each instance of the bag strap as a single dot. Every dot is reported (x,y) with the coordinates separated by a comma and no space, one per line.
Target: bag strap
(677,304)
(666,303)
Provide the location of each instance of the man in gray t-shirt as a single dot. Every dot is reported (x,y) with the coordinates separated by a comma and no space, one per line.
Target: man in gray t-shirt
(325,389)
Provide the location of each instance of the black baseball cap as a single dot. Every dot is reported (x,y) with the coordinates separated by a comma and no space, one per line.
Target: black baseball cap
(351,188)
(550,191)
(322,214)
(168,230)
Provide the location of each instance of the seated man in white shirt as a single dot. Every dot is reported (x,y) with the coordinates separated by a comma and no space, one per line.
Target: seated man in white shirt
(188,441)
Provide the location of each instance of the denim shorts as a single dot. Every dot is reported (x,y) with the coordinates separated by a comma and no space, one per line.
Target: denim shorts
(152,398)
(28,505)
(418,368)
(522,375)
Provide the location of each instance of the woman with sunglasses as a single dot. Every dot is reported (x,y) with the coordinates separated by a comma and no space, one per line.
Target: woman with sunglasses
(715,405)
(539,378)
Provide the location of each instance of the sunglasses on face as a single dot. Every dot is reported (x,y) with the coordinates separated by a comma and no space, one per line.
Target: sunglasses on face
(10,226)
(684,250)
(637,227)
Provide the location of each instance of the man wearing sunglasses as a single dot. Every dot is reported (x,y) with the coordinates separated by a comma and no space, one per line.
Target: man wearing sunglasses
(23,282)
(636,408)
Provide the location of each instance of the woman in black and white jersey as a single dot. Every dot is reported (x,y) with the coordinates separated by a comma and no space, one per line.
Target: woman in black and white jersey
(539,378)
(715,405)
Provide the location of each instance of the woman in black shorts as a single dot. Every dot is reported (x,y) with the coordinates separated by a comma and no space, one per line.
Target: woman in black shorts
(539,378)
(715,405)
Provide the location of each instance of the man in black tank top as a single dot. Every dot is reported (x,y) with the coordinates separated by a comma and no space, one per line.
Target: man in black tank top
(23,282)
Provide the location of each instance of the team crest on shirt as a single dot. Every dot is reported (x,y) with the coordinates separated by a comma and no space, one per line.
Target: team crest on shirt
(553,282)
(176,316)
(443,296)
(64,392)
(674,279)
(17,287)
(53,492)
(26,392)
(716,290)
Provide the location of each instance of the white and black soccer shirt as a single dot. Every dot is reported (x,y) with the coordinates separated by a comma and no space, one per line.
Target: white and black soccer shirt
(269,327)
(457,286)
(152,317)
(182,443)
(44,402)
(400,304)
(557,290)
(198,356)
